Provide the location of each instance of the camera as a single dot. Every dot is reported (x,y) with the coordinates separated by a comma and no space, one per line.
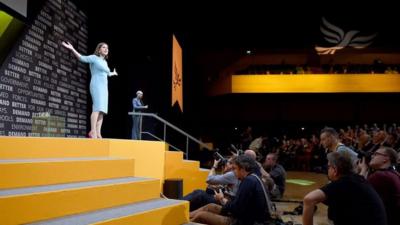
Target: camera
(363,154)
(218,156)
(212,188)
(238,151)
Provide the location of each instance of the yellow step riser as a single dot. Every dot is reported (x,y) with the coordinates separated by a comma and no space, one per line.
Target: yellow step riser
(174,163)
(173,157)
(30,208)
(149,156)
(191,164)
(15,175)
(172,215)
(196,181)
(26,147)
(183,167)
(191,180)
(189,171)
(188,167)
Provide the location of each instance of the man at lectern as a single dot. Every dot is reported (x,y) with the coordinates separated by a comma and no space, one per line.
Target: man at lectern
(138,106)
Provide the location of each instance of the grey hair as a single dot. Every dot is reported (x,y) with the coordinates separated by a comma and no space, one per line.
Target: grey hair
(247,163)
(342,161)
(392,154)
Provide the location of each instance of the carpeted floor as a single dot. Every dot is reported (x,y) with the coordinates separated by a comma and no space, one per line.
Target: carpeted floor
(297,186)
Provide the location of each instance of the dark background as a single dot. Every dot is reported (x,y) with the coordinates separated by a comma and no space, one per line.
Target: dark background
(213,36)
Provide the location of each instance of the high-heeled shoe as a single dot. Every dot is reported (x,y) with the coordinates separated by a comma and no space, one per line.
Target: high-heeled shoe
(90,135)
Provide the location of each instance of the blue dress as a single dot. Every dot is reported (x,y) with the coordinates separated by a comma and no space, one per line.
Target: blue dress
(98,82)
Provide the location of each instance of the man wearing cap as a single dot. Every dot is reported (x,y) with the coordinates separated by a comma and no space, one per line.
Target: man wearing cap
(137,107)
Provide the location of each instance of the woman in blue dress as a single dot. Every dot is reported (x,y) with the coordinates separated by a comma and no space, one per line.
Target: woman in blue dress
(98,84)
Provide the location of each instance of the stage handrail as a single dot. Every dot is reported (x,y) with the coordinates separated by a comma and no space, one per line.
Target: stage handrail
(166,123)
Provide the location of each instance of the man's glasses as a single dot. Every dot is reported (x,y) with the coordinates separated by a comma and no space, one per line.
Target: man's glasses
(378,153)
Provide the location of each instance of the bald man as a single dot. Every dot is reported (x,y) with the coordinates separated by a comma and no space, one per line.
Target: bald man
(251,153)
(265,176)
(137,107)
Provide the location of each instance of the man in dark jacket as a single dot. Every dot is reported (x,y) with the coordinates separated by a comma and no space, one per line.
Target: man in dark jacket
(250,204)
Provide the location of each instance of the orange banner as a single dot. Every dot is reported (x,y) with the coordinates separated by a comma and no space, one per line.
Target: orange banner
(177,74)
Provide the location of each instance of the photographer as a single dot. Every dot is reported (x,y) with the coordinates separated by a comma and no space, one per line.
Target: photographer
(274,180)
(277,173)
(250,206)
(226,181)
(385,180)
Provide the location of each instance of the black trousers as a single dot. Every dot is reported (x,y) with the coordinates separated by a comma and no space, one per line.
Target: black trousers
(199,198)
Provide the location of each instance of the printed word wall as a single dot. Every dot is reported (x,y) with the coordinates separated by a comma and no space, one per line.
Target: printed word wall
(43,87)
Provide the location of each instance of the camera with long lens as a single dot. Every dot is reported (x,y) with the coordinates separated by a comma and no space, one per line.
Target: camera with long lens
(218,156)
(238,151)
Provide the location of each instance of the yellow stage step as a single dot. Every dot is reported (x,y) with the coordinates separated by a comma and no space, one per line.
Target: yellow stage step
(35,147)
(24,205)
(35,176)
(193,177)
(149,156)
(193,223)
(191,164)
(153,212)
(173,164)
(172,156)
(174,214)
(192,180)
(33,172)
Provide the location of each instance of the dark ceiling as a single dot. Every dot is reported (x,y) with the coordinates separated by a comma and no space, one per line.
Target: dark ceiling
(204,25)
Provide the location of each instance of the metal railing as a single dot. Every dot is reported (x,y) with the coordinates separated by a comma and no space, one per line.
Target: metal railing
(165,124)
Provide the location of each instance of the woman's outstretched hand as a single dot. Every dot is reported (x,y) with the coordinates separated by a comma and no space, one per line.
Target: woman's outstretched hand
(67,45)
(113,73)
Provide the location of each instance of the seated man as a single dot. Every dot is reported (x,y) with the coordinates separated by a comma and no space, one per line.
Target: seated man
(226,181)
(349,197)
(385,180)
(277,173)
(269,183)
(250,205)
